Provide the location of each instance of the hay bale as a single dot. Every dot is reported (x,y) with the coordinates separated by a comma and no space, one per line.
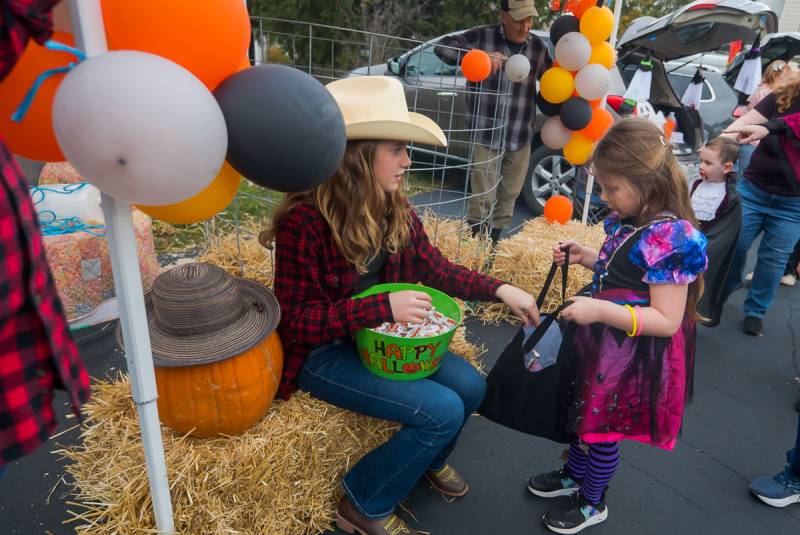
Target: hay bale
(240,254)
(280,477)
(525,258)
(454,239)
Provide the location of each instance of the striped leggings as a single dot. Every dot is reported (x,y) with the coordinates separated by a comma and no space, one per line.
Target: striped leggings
(594,469)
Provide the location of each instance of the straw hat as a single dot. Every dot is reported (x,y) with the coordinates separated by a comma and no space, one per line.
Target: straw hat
(198,314)
(374,107)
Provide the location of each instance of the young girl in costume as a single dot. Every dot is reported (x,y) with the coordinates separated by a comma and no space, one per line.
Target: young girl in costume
(347,234)
(634,341)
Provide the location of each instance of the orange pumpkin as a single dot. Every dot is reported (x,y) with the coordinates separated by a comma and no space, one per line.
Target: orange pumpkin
(221,398)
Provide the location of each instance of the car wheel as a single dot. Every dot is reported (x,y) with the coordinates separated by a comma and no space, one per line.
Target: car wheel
(548,174)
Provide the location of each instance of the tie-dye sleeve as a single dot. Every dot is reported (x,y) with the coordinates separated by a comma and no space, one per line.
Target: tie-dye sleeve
(671,252)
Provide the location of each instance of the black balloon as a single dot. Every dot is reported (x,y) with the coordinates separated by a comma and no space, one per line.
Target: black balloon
(576,113)
(548,108)
(562,26)
(285,130)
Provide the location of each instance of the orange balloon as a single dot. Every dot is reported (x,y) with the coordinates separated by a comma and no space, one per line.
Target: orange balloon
(244,65)
(558,208)
(476,65)
(603,53)
(208,203)
(599,125)
(207,38)
(595,103)
(581,6)
(33,137)
(578,149)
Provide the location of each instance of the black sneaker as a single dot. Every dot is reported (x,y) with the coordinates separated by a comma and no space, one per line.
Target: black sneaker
(752,325)
(575,515)
(553,484)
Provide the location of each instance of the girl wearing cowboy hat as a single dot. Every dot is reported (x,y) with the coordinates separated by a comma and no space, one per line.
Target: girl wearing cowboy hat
(344,236)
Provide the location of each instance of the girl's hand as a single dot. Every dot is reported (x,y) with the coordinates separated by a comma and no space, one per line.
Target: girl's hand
(748,133)
(575,252)
(410,306)
(584,310)
(521,303)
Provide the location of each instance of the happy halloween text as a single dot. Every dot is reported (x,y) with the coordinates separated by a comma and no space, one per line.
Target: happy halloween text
(392,358)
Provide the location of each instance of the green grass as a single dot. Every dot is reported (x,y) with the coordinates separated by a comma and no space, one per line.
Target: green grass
(252,204)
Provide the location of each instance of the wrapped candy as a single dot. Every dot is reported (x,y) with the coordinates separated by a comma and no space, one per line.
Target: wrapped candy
(434,324)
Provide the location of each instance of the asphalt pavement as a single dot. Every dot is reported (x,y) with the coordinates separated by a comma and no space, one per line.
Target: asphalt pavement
(738,426)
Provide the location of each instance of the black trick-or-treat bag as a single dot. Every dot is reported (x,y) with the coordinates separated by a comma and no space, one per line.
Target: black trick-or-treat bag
(528,387)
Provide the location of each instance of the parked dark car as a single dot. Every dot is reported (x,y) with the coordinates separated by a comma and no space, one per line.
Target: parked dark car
(437,89)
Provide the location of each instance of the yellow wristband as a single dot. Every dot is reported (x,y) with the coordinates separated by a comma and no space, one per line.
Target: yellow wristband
(632,332)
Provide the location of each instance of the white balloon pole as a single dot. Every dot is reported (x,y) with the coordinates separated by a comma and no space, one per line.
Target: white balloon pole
(87,25)
(587,199)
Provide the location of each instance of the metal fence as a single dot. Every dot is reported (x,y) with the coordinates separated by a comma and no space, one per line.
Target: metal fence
(438,181)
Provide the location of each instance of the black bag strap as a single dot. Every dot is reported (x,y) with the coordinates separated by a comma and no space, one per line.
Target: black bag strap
(537,335)
(549,280)
(540,331)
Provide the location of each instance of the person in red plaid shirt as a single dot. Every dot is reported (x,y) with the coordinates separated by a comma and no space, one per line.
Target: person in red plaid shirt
(36,351)
(344,236)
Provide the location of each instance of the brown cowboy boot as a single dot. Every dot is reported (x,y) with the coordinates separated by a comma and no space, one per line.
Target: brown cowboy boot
(447,481)
(350,520)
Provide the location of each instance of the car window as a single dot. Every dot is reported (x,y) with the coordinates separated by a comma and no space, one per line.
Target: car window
(692,33)
(680,82)
(426,63)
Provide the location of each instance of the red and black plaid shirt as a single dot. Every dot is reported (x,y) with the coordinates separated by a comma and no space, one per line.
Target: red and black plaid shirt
(36,351)
(314,283)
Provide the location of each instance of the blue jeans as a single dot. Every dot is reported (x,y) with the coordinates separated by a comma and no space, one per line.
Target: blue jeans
(778,217)
(745,153)
(433,411)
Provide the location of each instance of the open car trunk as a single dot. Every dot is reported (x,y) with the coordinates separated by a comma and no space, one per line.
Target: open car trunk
(701,26)
(664,99)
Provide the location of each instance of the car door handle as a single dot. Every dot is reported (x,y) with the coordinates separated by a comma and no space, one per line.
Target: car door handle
(446,94)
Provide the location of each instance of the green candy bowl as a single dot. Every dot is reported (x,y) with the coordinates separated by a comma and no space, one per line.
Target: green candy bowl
(406,359)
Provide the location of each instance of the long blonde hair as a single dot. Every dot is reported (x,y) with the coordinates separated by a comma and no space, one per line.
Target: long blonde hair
(363,218)
(635,150)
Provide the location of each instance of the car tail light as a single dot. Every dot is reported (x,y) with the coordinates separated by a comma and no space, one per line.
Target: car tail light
(705,5)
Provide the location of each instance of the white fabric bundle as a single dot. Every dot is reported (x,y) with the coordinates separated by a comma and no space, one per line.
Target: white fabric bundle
(750,74)
(693,94)
(639,88)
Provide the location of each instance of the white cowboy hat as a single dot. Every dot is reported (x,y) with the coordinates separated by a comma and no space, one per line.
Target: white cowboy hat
(374,107)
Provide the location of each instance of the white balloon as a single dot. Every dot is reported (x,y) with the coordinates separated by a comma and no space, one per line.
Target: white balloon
(518,67)
(140,127)
(554,134)
(573,51)
(592,81)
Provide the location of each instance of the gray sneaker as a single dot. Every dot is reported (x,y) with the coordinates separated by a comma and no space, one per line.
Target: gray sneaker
(553,484)
(752,325)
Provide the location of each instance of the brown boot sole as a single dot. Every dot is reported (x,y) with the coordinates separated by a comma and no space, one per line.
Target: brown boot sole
(451,494)
(347,526)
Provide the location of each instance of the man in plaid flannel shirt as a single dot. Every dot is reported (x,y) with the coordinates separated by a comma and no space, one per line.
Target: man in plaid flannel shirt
(36,351)
(486,108)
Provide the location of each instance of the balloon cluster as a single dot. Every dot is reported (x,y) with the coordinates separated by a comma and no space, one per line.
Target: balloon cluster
(173,115)
(572,90)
